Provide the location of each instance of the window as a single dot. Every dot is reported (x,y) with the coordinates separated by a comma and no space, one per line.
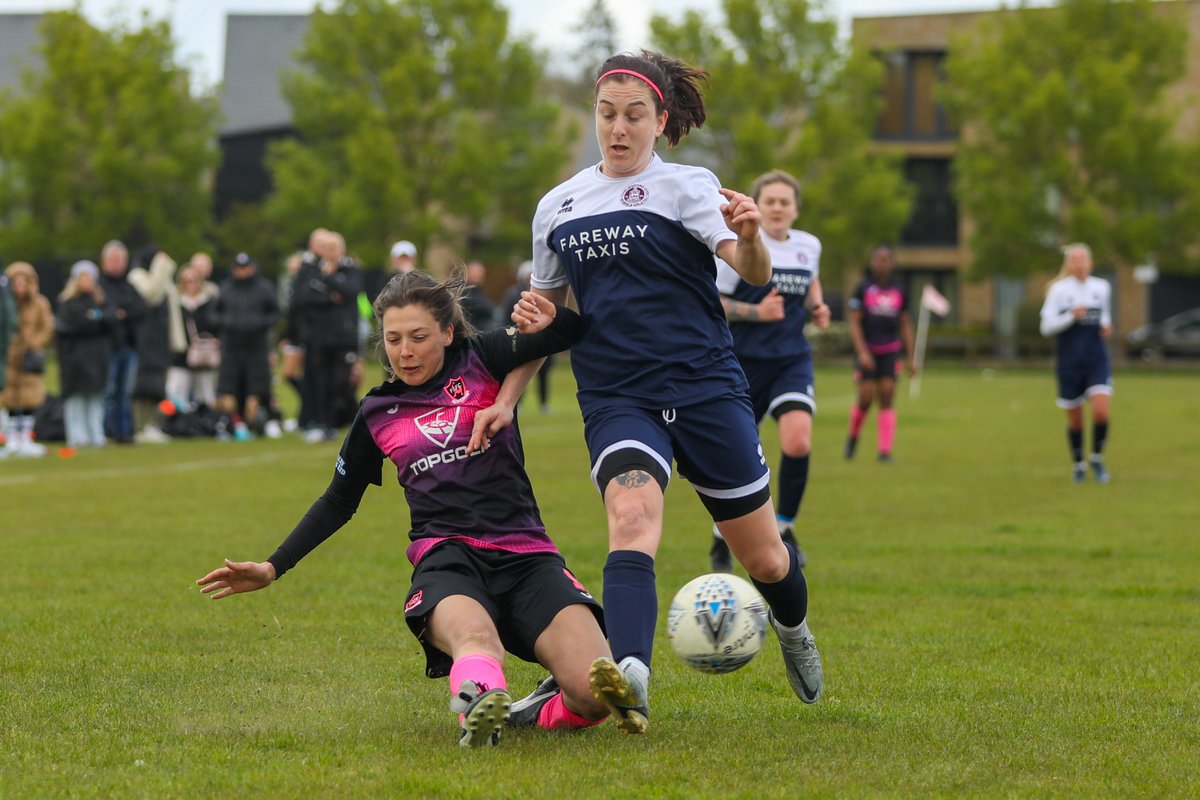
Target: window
(910,109)
(934,219)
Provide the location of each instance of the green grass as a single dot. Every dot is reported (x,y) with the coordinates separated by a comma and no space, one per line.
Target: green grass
(988,628)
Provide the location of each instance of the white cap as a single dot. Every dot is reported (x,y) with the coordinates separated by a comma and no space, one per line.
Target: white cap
(404,248)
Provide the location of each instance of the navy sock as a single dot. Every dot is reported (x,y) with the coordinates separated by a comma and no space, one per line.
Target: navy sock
(1099,435)
(1075,437)
(787,598)
(793,478)
(630,604)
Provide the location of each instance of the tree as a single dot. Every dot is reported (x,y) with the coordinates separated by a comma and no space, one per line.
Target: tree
(597,30)
(785,95)
(1068,136)
(417,119)
(104,140)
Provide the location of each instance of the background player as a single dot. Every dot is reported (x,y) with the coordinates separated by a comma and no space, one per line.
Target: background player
(1078,312)
(487,578)
(879,326)
(767,323)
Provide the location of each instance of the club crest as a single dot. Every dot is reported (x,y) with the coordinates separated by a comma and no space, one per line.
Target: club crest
(457,389)
(635,195)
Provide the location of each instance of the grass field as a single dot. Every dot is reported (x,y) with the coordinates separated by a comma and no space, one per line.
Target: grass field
(988,628)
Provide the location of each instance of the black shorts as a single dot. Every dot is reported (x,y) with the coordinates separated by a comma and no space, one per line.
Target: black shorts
(887,366)
(522,593)
(245,374)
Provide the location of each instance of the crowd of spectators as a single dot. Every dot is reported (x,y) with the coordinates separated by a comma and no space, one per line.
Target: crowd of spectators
(148,350)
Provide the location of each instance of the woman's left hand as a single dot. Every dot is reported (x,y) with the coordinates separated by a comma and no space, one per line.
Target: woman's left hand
(821,315)
(741,214)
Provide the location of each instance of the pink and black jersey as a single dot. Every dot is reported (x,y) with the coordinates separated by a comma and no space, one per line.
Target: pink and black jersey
(638,255)
(484,498)
(881,307)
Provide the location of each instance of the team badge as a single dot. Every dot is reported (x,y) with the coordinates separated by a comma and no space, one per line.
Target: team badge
(457,389)
(413,601)
(438,425)
(635,195)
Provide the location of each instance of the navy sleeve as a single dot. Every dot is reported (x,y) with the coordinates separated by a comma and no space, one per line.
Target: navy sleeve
(359,464)
(504,349)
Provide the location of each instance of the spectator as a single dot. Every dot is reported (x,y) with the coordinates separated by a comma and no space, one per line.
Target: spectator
(203,264)
(8,326)
(328,298)
(160,338)
(130,310)
(189,384)
(404,256)
(87,331)
(476,305)
(25,386)
(244,313)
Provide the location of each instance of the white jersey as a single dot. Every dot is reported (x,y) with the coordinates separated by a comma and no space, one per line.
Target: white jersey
(638,254)
(1078,340)
(795,264)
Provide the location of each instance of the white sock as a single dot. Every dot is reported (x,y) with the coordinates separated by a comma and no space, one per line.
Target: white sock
(794,633)
(637,667)
(717,533)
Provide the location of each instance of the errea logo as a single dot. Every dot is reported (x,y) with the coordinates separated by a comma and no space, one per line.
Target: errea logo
(566,206)
(340,466)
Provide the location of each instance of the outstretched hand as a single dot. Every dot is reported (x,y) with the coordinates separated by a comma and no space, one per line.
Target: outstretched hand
(236,577)
(533,313)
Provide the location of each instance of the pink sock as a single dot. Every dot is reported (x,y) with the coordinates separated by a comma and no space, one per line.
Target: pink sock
(857,415)
(887,429)
(556,716)
(483,669)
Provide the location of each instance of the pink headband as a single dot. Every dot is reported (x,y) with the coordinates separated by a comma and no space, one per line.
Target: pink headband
(657,91)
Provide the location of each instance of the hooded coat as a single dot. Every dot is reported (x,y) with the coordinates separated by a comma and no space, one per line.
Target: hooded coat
(35,330)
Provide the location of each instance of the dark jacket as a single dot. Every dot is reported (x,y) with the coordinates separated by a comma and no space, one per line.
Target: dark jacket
(328,305)
(121,294)
(85,334)
(244,313)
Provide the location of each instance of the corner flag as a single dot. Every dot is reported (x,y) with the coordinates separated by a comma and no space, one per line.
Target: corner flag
(931,301)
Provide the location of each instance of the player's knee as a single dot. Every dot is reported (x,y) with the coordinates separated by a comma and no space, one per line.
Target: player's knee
(769,564)
(796,445)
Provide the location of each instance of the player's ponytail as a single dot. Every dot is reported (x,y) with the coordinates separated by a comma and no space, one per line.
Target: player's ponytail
(676,87)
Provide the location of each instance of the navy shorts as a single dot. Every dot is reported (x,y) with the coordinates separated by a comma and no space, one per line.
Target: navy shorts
(887,366)
(777,387)
(715,445)
(1080,380)
(522,593)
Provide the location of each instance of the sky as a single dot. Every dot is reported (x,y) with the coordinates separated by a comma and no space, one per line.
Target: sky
(199,25)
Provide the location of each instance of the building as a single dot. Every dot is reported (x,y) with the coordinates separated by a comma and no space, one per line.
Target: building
(934,245)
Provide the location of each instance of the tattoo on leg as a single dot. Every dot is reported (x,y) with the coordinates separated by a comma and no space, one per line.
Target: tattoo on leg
(633,479)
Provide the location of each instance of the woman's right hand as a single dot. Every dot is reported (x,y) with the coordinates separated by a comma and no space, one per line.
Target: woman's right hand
(866,361)
(533,313)
(236,577)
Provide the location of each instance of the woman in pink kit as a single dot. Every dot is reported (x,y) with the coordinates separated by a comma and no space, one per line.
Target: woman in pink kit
(487,579)
(880,327)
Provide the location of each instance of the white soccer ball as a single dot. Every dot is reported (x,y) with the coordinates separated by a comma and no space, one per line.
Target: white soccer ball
(717,623)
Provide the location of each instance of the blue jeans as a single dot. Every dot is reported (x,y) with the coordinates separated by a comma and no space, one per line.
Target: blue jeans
(118,394)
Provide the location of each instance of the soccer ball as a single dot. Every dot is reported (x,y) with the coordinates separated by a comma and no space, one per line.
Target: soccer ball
(717,623)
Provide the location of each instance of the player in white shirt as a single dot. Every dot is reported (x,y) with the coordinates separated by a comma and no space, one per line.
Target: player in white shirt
(633,238)
(767,323)
(1078,311)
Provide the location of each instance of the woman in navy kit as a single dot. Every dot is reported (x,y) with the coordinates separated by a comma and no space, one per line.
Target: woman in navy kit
(880,327)
(1078,313)
(633,237)
(487,578)
(767,323)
